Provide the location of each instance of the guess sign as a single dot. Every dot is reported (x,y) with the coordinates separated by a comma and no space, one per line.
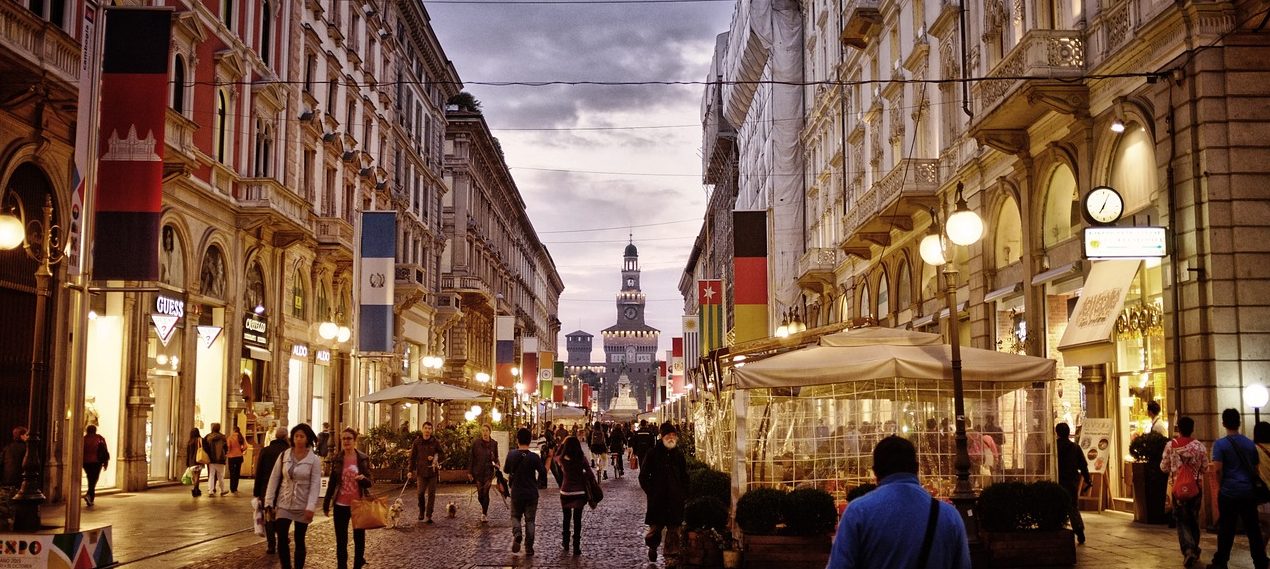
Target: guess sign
(169,306)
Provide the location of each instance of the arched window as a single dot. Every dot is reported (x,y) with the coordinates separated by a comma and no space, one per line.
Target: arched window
(222,115)
(264,148)
(171,258)
(866,307)
(266,30)
(227,13)
(178,85)
(904,287)
(254,300)
(884,297)
(1133,171)
(929,282)
(1008,236)
(322,310)
(298,297)
(212,273)
(1061,208)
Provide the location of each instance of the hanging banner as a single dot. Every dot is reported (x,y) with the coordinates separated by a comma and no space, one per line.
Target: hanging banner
(529,364)
(677,366)
(378,257)
(691,339)
(134,96)
(749,264)
(546,369)
(710,299)
(86,117)
(504,351)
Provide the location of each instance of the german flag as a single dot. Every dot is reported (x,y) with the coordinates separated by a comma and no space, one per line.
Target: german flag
(749,264)
(710,299)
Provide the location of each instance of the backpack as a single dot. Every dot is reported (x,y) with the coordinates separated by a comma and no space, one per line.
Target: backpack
(1185,483)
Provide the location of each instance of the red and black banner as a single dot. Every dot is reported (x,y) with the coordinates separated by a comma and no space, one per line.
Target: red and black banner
(134,101)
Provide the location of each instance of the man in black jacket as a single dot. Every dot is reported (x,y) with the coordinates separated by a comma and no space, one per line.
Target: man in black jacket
(526,470)
(642,440)
(1071,467)
(663,475)
(264,467)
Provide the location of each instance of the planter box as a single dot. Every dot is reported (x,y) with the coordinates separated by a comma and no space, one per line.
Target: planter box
(697,550)
(1149,487)
(786,552)
(1032,548)
(452,476)
(397,475)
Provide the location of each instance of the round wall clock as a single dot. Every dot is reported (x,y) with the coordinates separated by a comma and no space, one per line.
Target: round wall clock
(1103,205)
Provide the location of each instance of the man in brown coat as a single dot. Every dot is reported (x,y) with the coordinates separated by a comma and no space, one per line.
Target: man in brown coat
(425,462)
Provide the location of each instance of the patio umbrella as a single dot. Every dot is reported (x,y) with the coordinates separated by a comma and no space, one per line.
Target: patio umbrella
(423,391)
(875,353)
(566,413)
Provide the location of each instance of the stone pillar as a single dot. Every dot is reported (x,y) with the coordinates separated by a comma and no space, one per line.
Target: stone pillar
(139,402)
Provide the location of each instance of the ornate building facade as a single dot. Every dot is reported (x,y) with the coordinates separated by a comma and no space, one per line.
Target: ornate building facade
(630,344)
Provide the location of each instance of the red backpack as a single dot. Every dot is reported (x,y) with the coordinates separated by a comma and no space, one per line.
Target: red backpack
(1185,483)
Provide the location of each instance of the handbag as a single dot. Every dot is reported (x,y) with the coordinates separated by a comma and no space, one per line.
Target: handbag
(103,454)
(188,478)
(200,456)
(1260,493)
(369,513)
(257,517)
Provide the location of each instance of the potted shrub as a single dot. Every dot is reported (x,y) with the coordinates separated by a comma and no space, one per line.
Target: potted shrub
(389,452)
(457,442)
(1149,483)
(710,482)
(786,529)
(1022,525)
(705,527)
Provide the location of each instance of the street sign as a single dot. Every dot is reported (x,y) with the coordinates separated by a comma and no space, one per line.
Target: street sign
(1125,242)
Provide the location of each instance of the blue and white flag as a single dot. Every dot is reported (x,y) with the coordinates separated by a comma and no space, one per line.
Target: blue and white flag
(378,257)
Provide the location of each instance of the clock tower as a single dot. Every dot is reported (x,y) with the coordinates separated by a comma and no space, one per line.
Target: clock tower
(630,345)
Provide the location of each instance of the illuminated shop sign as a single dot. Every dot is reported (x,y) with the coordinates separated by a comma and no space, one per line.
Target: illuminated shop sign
(256,330)
(167,312)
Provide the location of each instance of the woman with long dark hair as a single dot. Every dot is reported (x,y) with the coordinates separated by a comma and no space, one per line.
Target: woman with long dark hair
(350,480)
(577,473)
(293,493)
(192,445)
(237,445)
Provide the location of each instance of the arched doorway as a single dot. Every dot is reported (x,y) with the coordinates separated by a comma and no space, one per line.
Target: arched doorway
(28,186)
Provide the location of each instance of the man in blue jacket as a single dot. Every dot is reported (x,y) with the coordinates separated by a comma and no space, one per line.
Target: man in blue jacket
(526,470)
(888,526)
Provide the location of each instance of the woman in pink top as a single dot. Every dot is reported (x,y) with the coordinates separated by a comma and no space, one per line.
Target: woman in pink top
(350,480)
(237,445)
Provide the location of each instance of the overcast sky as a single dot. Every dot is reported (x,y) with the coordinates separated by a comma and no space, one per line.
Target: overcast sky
(597,42)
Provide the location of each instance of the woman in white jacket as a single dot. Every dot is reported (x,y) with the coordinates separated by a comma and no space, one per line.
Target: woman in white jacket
(293,491)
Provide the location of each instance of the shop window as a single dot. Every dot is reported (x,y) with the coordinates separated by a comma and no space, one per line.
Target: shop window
(1008,236)
(1062,210)
(1133,171)
(171,258)
(1140,361)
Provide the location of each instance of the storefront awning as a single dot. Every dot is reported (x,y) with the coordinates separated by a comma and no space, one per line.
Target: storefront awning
(1070,269)
(1003,292)
(1087,340)
(258,353)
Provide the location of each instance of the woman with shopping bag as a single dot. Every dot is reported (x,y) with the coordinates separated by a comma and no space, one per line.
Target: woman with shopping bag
(350,483)
(292,496)
(194,467)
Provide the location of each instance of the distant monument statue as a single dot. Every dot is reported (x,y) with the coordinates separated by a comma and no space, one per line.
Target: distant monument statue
(624,404)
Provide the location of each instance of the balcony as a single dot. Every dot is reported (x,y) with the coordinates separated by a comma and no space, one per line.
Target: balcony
(43,49)
(267,196)
(474,291)
(815,269)
(861,22)
(911,186)
(179,137)
(1033,79)
(334,232)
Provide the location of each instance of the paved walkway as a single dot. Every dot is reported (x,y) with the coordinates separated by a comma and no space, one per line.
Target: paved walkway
(166,528)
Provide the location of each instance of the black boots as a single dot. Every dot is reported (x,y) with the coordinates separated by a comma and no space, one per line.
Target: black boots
(577,545)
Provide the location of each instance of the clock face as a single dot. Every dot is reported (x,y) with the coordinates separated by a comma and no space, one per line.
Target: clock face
(629,312)
(1104,205)
(630,282)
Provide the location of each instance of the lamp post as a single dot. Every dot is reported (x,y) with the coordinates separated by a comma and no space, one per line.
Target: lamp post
(963,227)
(42,242)
(1257,396)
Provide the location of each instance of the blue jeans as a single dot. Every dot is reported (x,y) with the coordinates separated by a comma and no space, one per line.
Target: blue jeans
(1186,514)
(1231,511)
(528,509)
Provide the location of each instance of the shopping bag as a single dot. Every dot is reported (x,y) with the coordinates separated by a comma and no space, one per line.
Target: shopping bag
(258,517)
(201,456)
(188,478)
(370,513)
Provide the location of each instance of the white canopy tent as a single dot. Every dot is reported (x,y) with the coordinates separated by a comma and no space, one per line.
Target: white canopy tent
(423,391)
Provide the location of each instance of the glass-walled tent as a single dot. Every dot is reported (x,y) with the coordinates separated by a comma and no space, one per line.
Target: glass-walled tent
(810,416)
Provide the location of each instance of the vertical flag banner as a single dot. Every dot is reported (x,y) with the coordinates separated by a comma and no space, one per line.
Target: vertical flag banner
(504,350)
(529,364)
(691,339)
(557,387)
(677,365)
(710,299)
(546,370)
(586,396)
(134,101)
(378,255)
(749,262)
(86,128)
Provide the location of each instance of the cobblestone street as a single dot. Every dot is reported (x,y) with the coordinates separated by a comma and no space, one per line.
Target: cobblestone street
(612,536)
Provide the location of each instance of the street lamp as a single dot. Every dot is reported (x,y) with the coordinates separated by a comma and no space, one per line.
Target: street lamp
(44,246)
(1257,396)
(964,227)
